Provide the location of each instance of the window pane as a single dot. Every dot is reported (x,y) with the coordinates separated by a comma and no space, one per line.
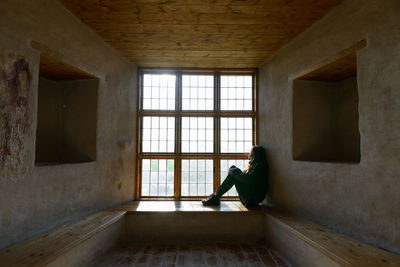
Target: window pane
(236,135)
(225,164)
(159,91)
(197,134)
(158,134)
(157,177)
(197,177)
(197,92)
(236,92)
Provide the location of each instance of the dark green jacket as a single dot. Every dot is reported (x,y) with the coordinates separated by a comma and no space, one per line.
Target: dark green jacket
(254,185)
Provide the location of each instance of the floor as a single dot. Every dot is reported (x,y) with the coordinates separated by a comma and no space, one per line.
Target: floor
(219,254)
(183,206)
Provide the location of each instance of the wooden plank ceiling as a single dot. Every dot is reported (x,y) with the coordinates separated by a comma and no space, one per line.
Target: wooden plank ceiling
(198,33)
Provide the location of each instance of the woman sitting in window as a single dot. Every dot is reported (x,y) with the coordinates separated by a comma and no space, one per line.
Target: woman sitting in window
(251,184)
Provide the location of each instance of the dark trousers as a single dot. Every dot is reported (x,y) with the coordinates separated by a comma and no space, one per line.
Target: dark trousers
(249,193)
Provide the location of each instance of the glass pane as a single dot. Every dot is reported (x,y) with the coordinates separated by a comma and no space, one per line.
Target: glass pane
(158,134)
(197,92)
(197,134)
(197,177)
(236,135)
(159,91)
(225,164)
(236,92)
(158,177)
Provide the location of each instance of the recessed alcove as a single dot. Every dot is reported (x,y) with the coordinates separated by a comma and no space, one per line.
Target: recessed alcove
(66,114)
(325,111)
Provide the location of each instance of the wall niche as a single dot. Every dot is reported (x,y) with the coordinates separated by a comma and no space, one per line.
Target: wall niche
(325,110)
(66,114)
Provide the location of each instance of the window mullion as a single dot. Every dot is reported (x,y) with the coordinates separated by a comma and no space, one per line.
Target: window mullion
(178,132)
(216,130)
(138,191)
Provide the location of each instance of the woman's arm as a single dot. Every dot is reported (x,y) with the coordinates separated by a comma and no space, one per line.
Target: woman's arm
(243,177)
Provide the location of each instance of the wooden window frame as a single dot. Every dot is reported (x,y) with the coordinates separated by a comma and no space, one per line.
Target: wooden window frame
(178,113)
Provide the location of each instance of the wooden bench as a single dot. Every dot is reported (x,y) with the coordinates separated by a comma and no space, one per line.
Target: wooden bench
(45,248)
(301,242)
(306,244)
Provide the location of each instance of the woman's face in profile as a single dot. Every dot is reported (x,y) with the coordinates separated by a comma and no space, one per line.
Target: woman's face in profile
(250,153)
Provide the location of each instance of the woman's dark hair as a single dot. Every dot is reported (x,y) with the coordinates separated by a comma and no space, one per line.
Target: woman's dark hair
(257,155)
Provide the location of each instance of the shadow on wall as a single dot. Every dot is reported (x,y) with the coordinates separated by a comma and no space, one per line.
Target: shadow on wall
(67,114)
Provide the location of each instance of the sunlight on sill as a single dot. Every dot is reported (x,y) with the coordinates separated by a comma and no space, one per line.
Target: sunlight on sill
(183,206)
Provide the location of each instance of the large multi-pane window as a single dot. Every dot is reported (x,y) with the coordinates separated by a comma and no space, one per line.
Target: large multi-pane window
(192,127)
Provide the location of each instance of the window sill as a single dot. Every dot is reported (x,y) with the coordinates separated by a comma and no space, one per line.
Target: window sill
(171,206)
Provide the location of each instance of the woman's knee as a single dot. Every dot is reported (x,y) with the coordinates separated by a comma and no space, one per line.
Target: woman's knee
(234,171)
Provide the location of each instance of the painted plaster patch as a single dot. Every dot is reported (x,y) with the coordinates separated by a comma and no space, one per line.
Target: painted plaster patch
(15,115)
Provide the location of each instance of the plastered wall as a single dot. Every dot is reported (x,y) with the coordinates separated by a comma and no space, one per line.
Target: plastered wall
(360,200)
(36,199)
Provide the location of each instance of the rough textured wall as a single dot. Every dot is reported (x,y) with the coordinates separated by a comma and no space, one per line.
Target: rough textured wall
(16,113)
(361,200)
(36,199)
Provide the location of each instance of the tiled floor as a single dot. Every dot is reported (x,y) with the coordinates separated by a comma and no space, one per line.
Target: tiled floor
(182,206)
(220,254)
